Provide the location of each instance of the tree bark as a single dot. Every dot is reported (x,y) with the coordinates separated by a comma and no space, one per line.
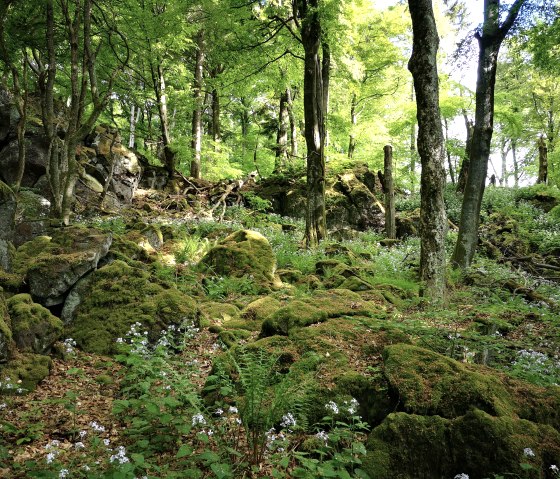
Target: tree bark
(293,125)
(353,123)
(282,133)
(515,163)
(196,140)
(448,153)
(489,42)
(464,172)
(313,106)
(543,161)
(390,226)
(433,220)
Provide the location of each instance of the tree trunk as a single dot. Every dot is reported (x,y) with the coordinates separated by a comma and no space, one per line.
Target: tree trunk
(293,125)
(353,123)
(196,140)
(313,106)
(216,126)
(543,161)
(464,172)
(388,187)
(489,42)
(448,153)
(505,149)
(433,220)
(282,133)
(326,79)
(413,152)
(515,163)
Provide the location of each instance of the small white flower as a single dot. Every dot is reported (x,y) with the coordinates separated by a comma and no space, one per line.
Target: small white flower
(106,442)
(82,434)
(63,473)
(233,410)
(96,427)
(332,406)
(120,456)
(353,407)
(79,445)
(554,468)
(198,419)
(461,476)
(528,452)
(237,420)
(288,420)
(51,457)
(323,436)
(219,411)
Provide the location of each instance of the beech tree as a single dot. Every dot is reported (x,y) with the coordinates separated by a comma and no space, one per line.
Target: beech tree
(431,147)
(490,38)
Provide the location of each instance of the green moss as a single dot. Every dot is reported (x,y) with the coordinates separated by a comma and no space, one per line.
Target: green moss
(243,253)
(326,266)
(354,283)
(343,302)
(296,314)
(428,383)
(30,369)
(215,312)
(5,330)
(34,328)
(119,296)
(290,275)
(409,446)
(260,309)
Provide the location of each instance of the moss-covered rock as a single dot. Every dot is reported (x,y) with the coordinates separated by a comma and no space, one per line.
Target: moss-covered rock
(26,370)
(117,297)
(34,328)
(261,308)
(5,330)
(353,283)
(215,312)
(296,314)
(428,383)
(52,265)
(407,446)
(8,206)
(243,253)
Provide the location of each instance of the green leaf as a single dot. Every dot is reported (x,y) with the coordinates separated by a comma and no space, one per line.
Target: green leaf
(138,459)
(221,470)
(184,450)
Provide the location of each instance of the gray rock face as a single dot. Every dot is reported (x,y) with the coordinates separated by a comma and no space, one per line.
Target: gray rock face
(5,331)
(8,207)
(75,298)
(35,161)
(53,275)
(34,328)
(31,216)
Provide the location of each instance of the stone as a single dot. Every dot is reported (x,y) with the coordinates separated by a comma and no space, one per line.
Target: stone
(53,265)
(243,253)
(409,446)
(34,328)
(5,331)
(8,206)
(35,161)
(115,297)
(32,216)
(26,370)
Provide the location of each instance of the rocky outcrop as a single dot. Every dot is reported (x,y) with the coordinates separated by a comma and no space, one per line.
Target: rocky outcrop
(52,265)
(34,328)
(243,253)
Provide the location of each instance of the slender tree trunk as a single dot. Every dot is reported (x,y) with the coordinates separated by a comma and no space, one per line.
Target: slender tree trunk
(433,220)
(543,161)
(505,149)
(413,151)
(293,125)
(489,42)
(196,140)
(282,133)
(216,126)
(313,106)
(326,79)
(353,123)
(448,153)
(388,186)
(464,172)
(515,163)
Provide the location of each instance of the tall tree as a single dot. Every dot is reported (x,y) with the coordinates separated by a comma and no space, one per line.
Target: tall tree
(489,38)
(431,146)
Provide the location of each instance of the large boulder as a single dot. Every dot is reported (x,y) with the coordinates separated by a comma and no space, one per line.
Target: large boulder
(37,148)
(5,331)
(8,205)
(52,265)
(428,383)
(408,446)
(243,253)
(34,328)
(102,147)
(32,216)
(8,115)
(106,304)
(25,371)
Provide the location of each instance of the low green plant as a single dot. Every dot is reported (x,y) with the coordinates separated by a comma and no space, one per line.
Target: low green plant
(223,287)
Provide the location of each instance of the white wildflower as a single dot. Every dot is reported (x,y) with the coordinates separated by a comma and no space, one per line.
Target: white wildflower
(198,419)
(288,420)
(120,456)
(233,410)
(63,473)
(528,452)
(322,436)
(461,476)
(96,427)
(332,406)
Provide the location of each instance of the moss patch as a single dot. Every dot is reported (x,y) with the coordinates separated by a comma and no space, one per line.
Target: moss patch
(428,383)
(296,314)
(407,446)
(119,296)
(34,328)
(243,253)
(215,312)
(30,369)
